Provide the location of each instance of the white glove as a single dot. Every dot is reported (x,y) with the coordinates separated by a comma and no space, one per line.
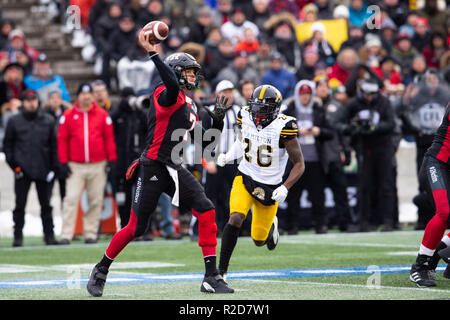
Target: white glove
(280,194)
(222,160)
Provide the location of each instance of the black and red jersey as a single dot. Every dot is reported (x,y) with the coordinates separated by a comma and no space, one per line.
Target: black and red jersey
(163,121)
(440,148)
(170,110)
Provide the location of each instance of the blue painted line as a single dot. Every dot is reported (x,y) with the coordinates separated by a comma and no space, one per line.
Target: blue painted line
(179,277)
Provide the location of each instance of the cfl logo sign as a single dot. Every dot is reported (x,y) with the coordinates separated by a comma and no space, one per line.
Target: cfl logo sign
(73,17)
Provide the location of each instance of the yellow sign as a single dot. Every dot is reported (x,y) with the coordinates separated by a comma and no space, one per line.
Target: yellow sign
(336,32)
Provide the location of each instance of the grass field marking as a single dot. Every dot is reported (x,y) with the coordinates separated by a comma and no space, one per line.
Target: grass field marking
(402,253)
(350,285)
(332,235)
(19,268)
(96,245)
(235,275)
(347,244)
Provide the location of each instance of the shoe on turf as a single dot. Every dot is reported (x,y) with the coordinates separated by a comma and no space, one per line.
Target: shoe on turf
(97,281)
(50,240)
(64,241)
(435,260)
(444,253)
(275,235)
(432,274)
(18,242)
(419,273)
(446,273)
(223,275)
(436,257)
(215,284)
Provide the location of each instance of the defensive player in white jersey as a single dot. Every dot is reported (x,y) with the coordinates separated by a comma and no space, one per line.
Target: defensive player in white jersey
(267,140)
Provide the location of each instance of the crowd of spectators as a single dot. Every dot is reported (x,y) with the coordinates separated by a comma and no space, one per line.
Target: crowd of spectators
(398,52)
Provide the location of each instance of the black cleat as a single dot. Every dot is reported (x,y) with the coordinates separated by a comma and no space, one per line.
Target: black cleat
(97,281)
(215,284)
(444,253)
(18,242)
(435,260)
(50,240)
(223,275)
(446,273)
(420,272)
(274,236)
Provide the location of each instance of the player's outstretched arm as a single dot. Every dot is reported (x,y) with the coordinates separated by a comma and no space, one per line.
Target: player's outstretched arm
(296,156)
(236,151)
(169,96)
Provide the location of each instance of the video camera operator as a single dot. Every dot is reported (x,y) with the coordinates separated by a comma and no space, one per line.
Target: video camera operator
(369,119)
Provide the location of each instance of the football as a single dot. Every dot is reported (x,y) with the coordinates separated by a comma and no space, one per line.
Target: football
(157,31)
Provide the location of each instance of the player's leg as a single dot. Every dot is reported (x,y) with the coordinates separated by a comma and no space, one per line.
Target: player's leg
(192,195)
(435,177)
(21,189)
(146,193)
(240,203)
(264,230)
(444,244)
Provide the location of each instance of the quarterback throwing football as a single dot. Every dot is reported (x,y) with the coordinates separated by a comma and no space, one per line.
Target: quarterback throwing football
(267,140)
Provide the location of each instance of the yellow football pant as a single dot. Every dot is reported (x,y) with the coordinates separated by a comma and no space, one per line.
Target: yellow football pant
(241,201)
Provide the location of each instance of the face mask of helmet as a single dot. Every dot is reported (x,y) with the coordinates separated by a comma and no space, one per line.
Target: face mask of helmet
(263,113)
(183,81)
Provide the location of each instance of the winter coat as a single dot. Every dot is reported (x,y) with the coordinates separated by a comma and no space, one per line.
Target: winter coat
(30,143)
(86,136)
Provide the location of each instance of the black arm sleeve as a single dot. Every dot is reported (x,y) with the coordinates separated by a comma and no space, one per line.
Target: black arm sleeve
(8,144)
(289,131)
(169,96)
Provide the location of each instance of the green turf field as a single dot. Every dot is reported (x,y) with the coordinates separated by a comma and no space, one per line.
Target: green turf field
(357,266)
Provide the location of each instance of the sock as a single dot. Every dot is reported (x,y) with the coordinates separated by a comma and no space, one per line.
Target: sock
(446,239)
(269,236)
(210,265)
(122,237)
(105,262)
(433,234)
(229,240)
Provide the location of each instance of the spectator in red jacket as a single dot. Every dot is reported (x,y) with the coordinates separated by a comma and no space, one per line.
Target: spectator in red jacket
(346,60)
(86,146)
(387,71)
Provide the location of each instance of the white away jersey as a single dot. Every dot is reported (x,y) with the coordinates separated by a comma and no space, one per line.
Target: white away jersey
(265,157)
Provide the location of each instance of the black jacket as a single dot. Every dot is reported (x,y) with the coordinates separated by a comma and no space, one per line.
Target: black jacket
(381,118)
(30,143)
(119,43)
(129,132)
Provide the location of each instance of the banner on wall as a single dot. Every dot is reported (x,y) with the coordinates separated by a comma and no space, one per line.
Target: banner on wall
(336,32)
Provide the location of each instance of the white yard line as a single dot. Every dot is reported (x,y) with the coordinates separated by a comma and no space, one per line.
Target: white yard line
(328,284)
(349,244)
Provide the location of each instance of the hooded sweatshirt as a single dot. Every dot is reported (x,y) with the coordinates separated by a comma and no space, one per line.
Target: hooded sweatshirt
(305,119)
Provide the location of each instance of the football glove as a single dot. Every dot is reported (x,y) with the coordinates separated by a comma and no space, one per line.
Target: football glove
(280,194)
(222,160)
(221,107)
